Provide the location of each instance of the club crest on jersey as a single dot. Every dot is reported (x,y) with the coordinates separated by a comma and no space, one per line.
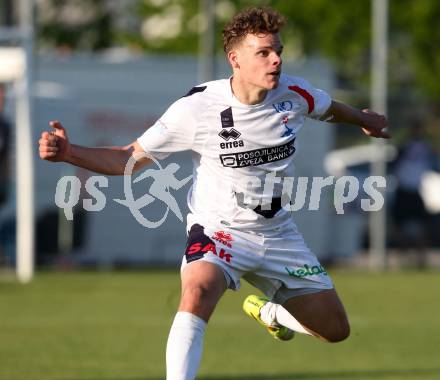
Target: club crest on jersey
(223,238)
(284,106)
(288,131)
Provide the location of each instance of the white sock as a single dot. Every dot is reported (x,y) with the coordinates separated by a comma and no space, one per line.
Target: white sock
(273,313)
(184,346)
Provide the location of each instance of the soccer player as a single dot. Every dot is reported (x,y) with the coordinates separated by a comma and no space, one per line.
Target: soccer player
(241,131)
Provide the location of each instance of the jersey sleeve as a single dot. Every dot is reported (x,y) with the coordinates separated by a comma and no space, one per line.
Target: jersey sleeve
(173,132)
(316,101)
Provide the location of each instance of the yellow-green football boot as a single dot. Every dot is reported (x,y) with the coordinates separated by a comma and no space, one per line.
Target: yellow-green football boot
(252,306)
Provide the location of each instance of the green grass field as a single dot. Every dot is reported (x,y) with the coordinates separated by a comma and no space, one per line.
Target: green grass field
(92,326)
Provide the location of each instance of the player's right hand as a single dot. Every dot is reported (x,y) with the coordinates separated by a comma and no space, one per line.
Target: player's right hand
(55,145)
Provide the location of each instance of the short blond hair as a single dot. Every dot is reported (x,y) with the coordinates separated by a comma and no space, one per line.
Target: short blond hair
(254,20)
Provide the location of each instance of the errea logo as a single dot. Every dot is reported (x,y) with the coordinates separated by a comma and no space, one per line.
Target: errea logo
(232,133)
(226,135)
(231,144)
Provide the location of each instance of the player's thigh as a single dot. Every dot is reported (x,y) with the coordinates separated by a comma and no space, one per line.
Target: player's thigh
(203,284)
(322,313)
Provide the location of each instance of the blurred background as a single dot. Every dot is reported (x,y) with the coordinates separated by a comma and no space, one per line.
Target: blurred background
(108,69)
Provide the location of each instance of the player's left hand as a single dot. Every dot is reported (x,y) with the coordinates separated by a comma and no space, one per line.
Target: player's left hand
(373,124)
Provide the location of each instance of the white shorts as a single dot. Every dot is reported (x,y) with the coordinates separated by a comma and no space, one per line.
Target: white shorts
(279,264)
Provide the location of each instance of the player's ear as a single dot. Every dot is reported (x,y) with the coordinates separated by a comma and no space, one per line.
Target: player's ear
(233,59)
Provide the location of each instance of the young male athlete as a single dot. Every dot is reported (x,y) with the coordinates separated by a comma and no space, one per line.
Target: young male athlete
(242,131)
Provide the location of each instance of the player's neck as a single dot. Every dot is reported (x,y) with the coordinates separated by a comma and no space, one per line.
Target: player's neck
(247,93)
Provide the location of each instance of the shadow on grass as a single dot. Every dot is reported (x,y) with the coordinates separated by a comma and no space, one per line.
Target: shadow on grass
(415,373)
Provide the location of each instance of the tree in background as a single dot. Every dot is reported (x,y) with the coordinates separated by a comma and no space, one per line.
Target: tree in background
(415,23)
(339,30)
(75,24)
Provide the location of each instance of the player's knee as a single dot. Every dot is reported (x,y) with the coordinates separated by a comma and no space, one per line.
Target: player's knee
(195,298)
(194,294)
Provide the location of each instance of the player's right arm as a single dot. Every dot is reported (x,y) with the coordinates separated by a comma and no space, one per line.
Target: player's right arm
(56,147)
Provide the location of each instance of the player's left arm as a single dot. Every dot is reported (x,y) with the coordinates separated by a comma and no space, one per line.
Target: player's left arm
(372,123)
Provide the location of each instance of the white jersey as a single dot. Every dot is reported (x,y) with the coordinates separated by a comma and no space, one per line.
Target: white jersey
(238,149)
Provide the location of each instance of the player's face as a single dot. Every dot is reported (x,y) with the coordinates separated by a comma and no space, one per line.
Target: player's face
(259,60)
